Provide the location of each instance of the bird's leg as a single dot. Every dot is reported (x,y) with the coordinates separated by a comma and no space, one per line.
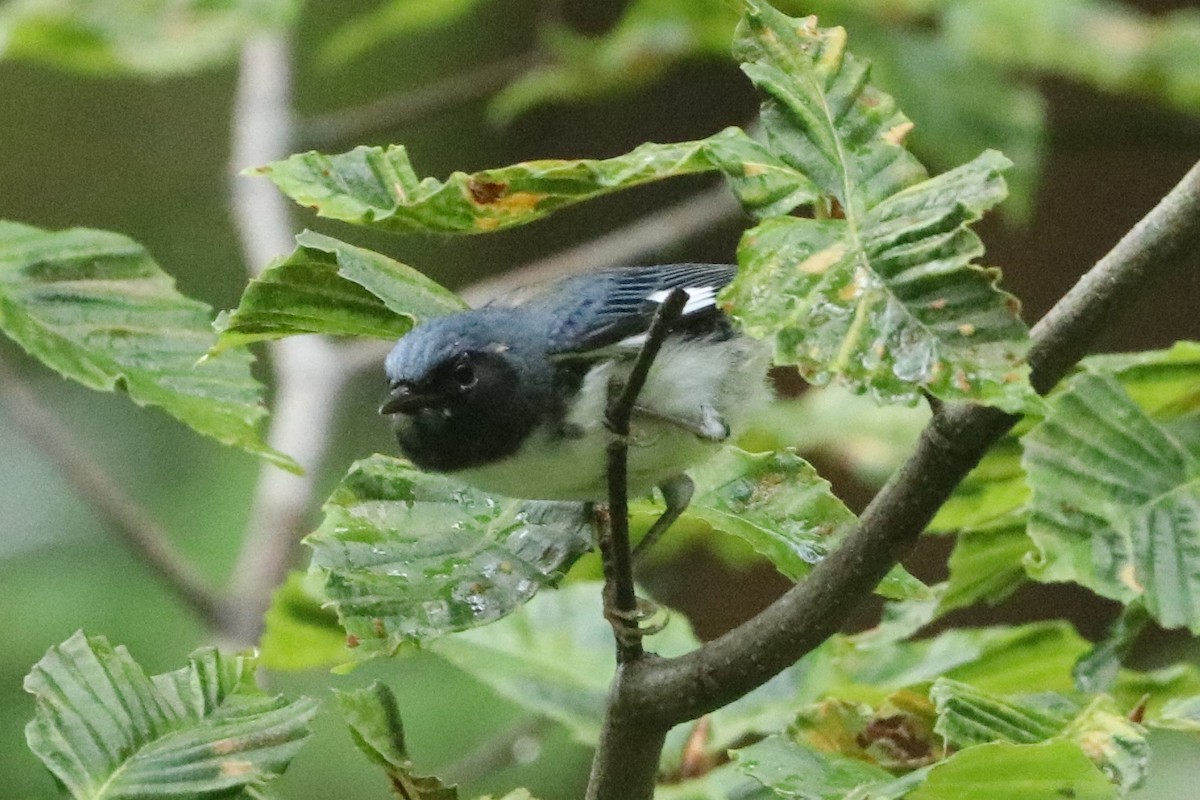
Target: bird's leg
(677,493)
(709,425)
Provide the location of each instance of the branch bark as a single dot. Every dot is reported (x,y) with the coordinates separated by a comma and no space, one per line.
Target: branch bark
(648,696)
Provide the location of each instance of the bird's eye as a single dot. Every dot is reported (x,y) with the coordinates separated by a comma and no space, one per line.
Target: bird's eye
(463,374)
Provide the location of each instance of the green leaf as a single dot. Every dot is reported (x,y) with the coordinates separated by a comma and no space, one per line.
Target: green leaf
(994,490)
(1181,714)
(879,291)
(1098,670)
(327,286)
(107,730)
(1103,43)
(143,37)
(794,770)
(94,307)
(1116,502)
(407,556)
(375,725)
(1002,771)
(987,563)
(388,20)
(778,504)
(380,189)
(299,632)
(969,716)
(555,656)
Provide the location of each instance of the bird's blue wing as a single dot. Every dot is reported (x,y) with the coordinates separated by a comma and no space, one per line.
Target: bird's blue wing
(591,313)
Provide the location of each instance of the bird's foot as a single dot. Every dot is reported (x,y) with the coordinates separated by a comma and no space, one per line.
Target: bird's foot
(628,624)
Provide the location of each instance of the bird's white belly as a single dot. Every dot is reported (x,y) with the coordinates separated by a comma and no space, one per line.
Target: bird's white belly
(726,377)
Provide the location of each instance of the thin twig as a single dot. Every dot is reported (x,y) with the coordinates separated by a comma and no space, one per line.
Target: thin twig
(132,524)
(403,108)
(650,696)
(308,373)
(622,397)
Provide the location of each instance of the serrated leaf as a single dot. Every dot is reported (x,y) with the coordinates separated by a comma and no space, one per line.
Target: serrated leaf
(143,37)
(407,556)
(1002,771)
(377,730)
(96,308)
(1116,502)
(969,716)
(778,504)
(380,189)
(327,286)
(555,656)
(879,291)
(107,730)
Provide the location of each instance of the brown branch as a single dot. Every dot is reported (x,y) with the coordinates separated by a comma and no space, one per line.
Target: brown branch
(651,696)
(133,525)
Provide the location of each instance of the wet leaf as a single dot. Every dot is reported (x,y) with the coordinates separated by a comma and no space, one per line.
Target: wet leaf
(96,308)
(106,729)
(407,556)
(879,291)
(778,504)
(794,770)
(1002,771)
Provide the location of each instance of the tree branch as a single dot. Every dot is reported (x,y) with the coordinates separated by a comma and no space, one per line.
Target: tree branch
(132,524)
(309,376)
(650,696)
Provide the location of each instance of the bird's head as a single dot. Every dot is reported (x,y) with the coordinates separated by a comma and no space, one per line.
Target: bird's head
(467,389)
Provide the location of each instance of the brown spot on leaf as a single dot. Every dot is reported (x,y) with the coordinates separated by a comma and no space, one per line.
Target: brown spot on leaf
(960,381)
(223,747)
(751,170)
(899,737)
(823,259)
(1138,713)
(379,628)
(938,305)
(1013,305)
(1129,578)
(352,641)
(966,329)
(486,192)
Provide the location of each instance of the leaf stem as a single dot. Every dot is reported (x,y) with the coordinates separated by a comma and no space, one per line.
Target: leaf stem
(133,524)
(650,696)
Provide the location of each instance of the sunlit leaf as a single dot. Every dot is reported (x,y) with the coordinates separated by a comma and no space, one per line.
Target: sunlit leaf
(327,286)
(778,504)
(879,291)
(408,556)
(96,308)
(1002,771)
(1116,502)
(379,188)
(107,730)
(555,656)
(146,37)
(375,725)
(299,632)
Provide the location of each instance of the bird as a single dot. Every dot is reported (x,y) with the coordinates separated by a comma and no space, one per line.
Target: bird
(510,398)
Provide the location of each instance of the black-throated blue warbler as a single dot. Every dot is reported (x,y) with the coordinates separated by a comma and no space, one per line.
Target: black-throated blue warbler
(510,398)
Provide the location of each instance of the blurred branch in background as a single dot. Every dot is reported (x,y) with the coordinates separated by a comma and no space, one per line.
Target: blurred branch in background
(309,375)
(138,531)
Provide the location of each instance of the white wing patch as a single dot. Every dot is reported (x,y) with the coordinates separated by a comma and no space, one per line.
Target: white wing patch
(698,298)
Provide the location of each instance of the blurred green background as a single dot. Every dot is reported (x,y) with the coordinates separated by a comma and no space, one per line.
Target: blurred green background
(149,158)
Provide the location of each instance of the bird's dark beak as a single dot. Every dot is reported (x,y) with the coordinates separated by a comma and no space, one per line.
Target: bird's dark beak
(403,399)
